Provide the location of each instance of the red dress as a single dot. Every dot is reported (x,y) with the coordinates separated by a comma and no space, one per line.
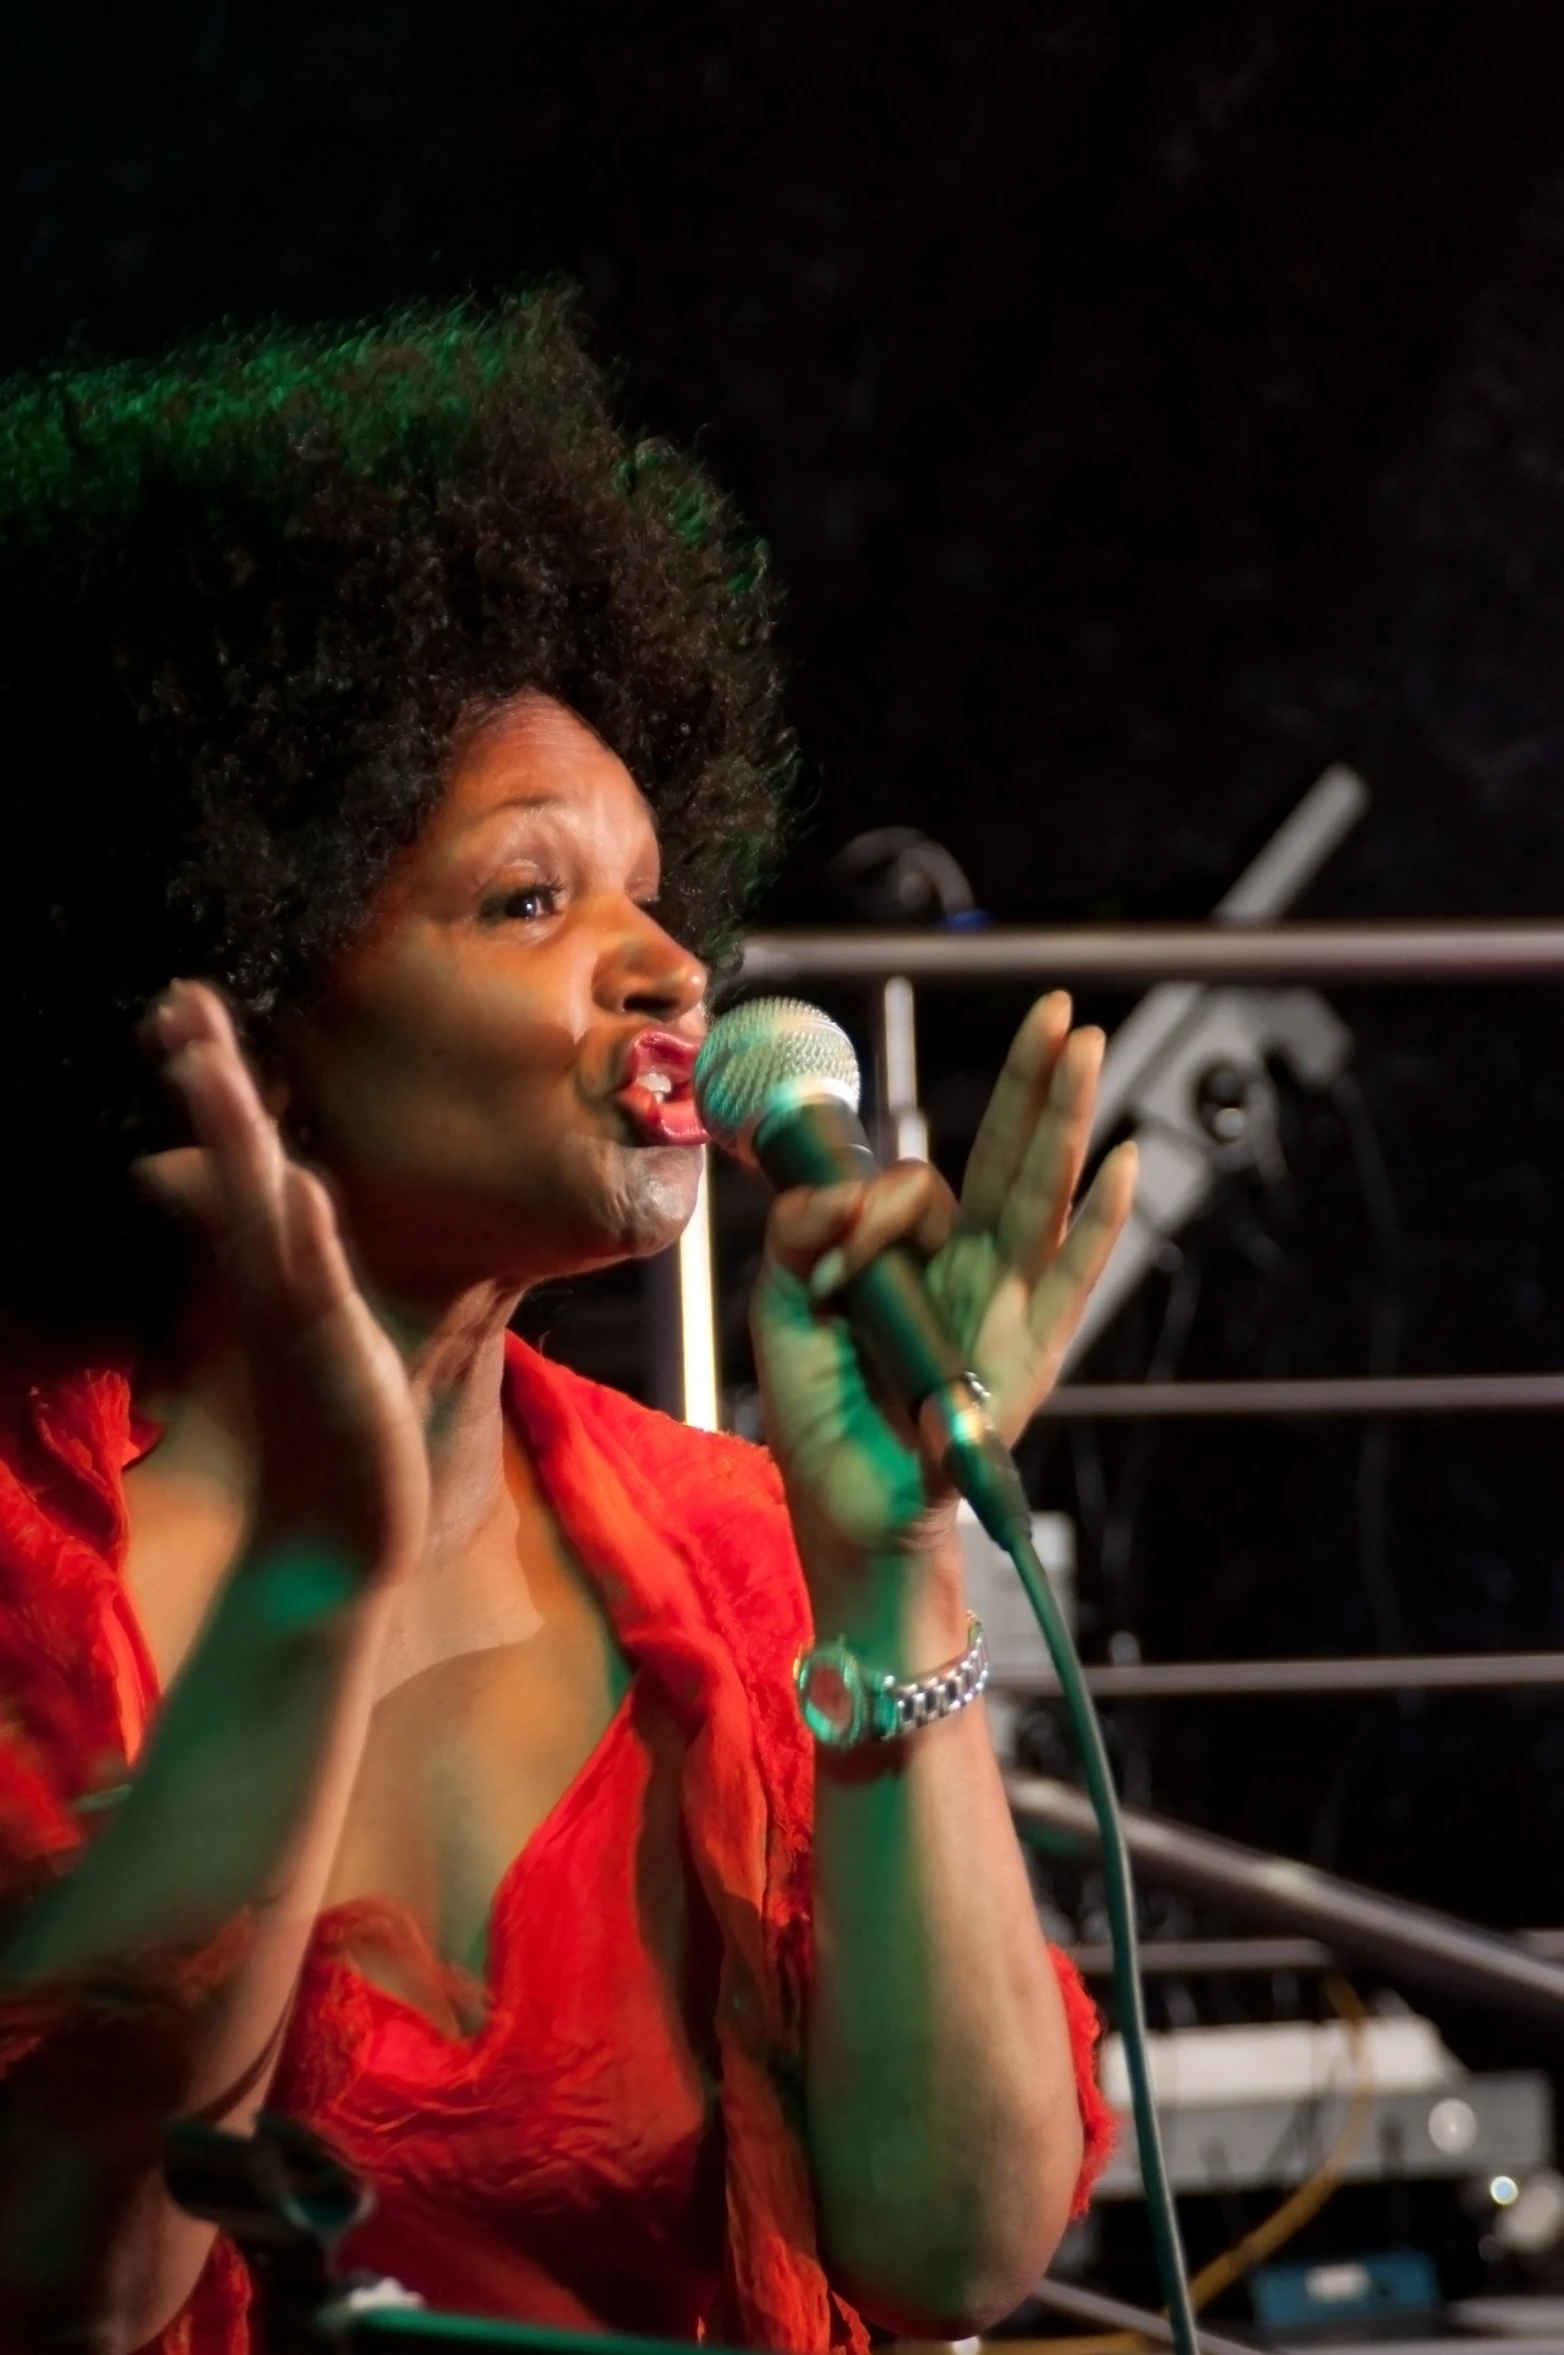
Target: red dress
(604,2133)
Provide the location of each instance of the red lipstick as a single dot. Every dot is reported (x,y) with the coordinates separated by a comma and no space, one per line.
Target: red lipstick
(657,1091)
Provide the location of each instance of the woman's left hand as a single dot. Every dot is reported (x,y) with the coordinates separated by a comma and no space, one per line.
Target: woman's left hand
(1008,1266)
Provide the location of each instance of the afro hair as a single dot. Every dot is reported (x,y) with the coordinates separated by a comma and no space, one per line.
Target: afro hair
(247,596)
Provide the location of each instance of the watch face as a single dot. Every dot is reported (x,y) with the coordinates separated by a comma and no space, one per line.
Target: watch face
(831,1695)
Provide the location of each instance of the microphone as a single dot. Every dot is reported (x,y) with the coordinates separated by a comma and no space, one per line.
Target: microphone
(777,1085)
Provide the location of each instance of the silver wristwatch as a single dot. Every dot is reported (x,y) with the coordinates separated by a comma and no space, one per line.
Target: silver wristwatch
(845,1702)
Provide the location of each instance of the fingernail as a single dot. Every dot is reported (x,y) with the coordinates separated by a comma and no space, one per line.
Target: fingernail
(826,1275)
(169,1005)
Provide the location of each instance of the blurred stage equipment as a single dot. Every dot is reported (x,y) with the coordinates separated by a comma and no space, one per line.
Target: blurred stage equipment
(895,875)
(1251,2107)
(1186,1072)
(1248,2108)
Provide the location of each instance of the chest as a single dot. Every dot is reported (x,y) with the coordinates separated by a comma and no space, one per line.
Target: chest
(496,1679)
(558,2137)
(464,1763)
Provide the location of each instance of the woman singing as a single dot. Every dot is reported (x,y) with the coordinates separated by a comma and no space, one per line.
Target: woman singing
(395,1729)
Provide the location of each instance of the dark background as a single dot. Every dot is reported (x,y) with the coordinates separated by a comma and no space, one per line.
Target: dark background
(1145,407)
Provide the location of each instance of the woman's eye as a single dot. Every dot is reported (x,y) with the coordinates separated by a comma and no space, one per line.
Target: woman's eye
(525,903)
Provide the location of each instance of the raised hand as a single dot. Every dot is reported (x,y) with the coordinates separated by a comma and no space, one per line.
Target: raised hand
(1009,1265)
(344,1479)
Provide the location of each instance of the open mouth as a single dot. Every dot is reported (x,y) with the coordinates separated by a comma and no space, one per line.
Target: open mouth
(658,1091)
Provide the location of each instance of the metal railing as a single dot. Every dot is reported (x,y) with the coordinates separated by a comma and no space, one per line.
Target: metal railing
(894,962)
(1132,956)
(1413,1942)
(1258,1680)
(1311,1395)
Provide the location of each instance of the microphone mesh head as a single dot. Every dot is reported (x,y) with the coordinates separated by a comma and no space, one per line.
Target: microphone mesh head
(763,1054)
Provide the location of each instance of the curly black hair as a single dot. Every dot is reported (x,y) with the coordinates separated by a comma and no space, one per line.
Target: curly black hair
(247,595)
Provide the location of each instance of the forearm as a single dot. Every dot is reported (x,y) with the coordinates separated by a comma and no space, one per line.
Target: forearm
(944,2126)
(234,1811)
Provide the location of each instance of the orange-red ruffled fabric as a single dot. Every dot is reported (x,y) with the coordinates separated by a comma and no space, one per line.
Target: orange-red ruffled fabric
(606,2133)
(1099,2124)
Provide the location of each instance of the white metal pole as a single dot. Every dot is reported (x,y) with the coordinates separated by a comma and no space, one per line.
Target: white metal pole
(702,1403)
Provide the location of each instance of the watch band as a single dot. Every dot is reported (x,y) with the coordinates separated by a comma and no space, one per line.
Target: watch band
(845,1702)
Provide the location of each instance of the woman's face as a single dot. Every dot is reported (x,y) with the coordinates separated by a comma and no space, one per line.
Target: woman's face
(498,1077)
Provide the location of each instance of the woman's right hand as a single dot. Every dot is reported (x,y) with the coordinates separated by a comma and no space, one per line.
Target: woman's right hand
(236,1804)
(344,1474)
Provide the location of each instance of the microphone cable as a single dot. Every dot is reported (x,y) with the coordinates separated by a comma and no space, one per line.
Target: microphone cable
(984,1470)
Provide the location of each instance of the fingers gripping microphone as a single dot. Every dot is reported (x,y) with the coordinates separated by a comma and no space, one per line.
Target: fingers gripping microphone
(777,1085)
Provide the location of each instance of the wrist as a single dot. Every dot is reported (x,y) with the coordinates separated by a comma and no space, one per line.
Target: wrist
(906,1611)
(849,1703)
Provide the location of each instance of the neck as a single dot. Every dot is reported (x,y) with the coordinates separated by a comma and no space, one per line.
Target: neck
(454,1353)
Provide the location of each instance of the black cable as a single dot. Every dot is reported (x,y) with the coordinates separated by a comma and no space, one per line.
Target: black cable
(1117,1539)
(1384,1349)
(1121,1515)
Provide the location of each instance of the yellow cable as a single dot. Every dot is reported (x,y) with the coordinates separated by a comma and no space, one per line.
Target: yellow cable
(1113,2342)
(1310,2196)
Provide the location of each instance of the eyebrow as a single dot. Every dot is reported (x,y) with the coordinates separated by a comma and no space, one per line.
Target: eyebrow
(546,802)
(525,801)
(527,804)
(540,801)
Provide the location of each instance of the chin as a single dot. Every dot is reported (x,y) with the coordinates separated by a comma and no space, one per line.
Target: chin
(654,1198)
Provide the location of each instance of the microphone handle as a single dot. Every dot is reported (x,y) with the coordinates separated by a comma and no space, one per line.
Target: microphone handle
(819,1143)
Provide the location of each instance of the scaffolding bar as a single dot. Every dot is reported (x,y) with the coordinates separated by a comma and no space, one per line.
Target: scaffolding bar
(1080,2304)
(1244,1680)
(1198,1958)
(1411,1941)
(1399,1394)
(1136,956)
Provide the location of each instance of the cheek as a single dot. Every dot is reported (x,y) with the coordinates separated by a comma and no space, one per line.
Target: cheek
(431,1083)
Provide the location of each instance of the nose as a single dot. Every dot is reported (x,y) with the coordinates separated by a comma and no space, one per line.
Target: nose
(651,973)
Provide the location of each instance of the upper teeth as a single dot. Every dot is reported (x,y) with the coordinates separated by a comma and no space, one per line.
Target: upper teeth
(657,1083)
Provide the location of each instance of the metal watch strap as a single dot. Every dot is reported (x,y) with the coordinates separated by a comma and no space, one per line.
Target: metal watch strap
(844,1702)
(926,1699)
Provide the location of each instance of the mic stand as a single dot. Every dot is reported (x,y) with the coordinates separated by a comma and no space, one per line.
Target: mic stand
(287,2201)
